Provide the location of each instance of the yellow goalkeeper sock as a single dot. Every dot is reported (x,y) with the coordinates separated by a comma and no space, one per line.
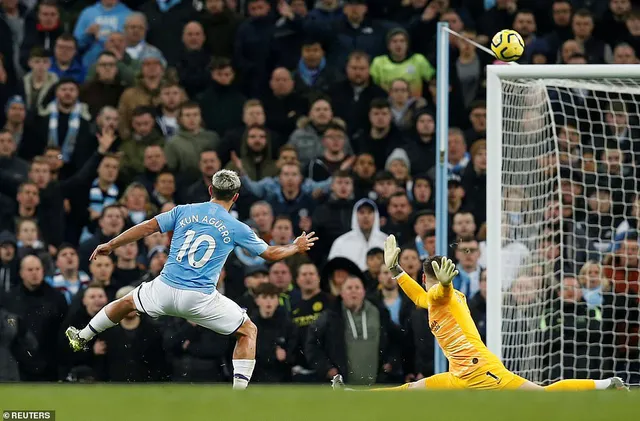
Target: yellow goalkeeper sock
(571,385)
(403,387)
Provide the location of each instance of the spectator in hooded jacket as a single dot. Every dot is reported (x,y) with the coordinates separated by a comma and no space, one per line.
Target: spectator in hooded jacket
(42,27)
(255,155)
(421,142)
(365,234)
(95,24)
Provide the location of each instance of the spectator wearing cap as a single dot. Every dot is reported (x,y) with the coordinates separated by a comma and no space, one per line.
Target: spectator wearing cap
(9,263)
(68,279)
(16,113)
(332,218)
(222,103)
(275,347)
(194,59)
(474,180)
(13,13)
(220,25)
(283,106)
(399,165)
(313,75)
(382,137)
(65,123)
(132,351)
(326,11)
(255,155)
(106,88)
(166,19)
(42,27)
(353,31)
(360,348)
(146,91)
(183,150)
(365,234)
(66,61)
(94,25)
(400,63)
(37,83)
(351,97)
(9,162)
(254,276)
(42,309)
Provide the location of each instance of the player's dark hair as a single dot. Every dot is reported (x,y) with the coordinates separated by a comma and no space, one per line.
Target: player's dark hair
(266,289)
(428,269)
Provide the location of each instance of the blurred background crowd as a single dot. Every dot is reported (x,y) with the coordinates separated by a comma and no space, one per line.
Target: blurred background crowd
(115,111)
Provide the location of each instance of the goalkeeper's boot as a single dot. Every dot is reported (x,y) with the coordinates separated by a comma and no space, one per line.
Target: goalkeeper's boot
(75,341)
(617,384)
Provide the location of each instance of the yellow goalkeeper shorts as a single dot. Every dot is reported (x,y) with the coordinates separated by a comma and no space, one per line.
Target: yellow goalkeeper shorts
(488,377)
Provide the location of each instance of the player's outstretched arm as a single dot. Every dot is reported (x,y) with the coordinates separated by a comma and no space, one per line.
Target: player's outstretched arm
(300,245)
(414,291)
(135,233)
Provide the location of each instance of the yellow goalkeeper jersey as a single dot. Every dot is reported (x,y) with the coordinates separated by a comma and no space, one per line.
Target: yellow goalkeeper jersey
(451,323)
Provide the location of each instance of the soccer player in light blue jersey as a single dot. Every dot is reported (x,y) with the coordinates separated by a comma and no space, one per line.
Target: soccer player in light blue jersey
(203,236)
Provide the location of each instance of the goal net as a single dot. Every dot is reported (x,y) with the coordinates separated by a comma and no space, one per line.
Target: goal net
(563,222)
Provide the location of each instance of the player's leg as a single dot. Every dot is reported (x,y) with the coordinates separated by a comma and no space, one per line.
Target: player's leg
(244,354)
(578,384)
(111,314)
(220,314)
(443,381)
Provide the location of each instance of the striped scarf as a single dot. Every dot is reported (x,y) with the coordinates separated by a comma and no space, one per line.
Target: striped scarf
(98,199)
(69,144)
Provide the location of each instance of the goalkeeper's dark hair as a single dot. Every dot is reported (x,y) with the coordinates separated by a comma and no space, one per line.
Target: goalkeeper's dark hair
(427,268)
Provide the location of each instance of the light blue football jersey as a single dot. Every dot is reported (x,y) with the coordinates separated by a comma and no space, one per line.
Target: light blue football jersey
(203,236)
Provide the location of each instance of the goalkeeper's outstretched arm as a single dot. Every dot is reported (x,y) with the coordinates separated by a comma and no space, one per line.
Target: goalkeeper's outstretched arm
(414,291)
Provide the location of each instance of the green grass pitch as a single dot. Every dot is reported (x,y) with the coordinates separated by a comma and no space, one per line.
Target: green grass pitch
(306,403)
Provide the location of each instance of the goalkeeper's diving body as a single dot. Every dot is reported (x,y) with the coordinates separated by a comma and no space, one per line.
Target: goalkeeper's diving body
(471,364)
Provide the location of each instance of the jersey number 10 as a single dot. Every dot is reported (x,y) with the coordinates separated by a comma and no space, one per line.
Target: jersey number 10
(189,247)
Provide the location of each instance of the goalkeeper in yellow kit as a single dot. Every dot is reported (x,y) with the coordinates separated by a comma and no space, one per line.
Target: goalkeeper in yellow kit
(471,364)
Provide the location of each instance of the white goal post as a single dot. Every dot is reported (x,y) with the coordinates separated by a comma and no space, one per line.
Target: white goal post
(561,185)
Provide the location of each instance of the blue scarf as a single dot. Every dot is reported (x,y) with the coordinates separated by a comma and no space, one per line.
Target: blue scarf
(165,5)
(593,296)
(422,252)
(309,76)
(69,144)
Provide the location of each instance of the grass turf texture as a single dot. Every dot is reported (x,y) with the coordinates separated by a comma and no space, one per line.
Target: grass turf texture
(305,403)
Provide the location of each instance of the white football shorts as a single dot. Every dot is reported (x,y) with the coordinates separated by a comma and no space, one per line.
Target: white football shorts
(212,311)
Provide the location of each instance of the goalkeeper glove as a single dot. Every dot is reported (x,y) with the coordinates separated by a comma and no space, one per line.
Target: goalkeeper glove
(391,255)
(445,271)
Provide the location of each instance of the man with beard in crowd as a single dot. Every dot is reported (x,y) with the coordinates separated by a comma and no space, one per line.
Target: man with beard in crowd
(110,224)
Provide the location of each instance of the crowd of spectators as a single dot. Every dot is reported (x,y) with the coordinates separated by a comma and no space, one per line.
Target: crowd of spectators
(115,111)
